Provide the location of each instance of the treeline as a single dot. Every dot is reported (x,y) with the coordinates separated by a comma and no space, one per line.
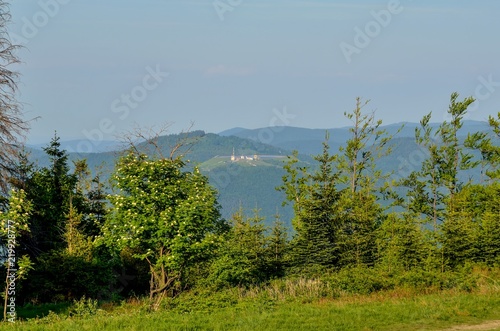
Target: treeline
(160,231)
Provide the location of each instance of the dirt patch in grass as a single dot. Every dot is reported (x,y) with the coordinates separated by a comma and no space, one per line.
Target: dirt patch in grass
(486,326)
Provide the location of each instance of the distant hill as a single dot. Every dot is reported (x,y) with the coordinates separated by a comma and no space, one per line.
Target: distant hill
(85,146)
(250,183)
(308,141)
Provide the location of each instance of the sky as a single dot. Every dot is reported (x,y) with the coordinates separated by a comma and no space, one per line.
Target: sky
(96,69)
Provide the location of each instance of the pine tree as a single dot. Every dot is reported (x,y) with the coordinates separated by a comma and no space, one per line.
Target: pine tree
(50,190)
(434,187)
(316,240)
(361,213)
(242,258)
(473,232)
(484,142)
(277,249)
(400,243)
(432,191)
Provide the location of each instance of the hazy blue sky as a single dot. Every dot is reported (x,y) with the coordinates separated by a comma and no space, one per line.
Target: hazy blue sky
(241,62)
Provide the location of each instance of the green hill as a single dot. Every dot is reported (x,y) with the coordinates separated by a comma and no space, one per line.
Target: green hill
(250,182)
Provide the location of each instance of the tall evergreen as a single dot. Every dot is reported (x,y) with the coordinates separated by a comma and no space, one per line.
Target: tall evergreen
(472,230)
(50,189)
(316,242)
(400,243)
(241,259)
(435,186)
(360,212)
(277,249)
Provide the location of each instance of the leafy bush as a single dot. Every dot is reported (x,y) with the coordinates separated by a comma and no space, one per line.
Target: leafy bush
(59,276)
(50,318)
(84,308)
(204,300)
(423,280)
(360,280)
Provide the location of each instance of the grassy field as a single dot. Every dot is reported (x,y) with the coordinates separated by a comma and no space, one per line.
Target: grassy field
(397,310)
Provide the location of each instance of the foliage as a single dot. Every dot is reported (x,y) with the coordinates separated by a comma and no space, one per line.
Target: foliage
(15,219)
(13,223)
(313,307)
(359,280)
(162,226)
(167,216)
(336,207)
(59,234)
(489,152)
(401,243)
(472,231)
(277,249)
(52,190)
(316,226)
(84,308)
(60,276)
(438,178)
(248,256)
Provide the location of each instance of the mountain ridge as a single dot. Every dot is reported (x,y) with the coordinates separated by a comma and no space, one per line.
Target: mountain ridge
(251,183)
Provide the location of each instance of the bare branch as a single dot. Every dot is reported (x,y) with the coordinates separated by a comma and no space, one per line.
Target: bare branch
(12,126)
(147,141)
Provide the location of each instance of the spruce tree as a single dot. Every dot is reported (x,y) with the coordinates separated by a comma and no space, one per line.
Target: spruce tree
(277,249)
(360,212)
(316,240)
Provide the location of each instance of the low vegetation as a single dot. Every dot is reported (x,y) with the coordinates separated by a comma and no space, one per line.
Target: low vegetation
(292,304)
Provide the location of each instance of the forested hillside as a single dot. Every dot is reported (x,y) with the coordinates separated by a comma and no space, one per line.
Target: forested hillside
(253,187)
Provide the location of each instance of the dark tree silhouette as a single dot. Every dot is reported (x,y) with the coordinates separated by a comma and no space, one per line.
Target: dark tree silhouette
(12,125)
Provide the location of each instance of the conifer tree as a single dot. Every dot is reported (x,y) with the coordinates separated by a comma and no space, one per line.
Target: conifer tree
(472,232)
(484,142)
(277,249)
(400,243)
(434,187)
(242,258)
(316,240)
(361,213)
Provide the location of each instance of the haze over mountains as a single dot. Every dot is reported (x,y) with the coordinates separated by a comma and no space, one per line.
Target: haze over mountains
(250,178)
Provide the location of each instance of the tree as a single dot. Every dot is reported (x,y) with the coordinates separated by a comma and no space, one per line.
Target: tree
(314,197)
(472,230)
(12,126)
(166,216)
(489,151)
(62,230)
(92,190)
(242,258)
(453,155)
(277,249)
(360,213)
(400,243)
(12,224)
(438,180)
(295,185)
(336,207)
(51,189)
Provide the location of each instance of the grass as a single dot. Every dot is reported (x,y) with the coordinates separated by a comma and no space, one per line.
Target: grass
(392,310)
